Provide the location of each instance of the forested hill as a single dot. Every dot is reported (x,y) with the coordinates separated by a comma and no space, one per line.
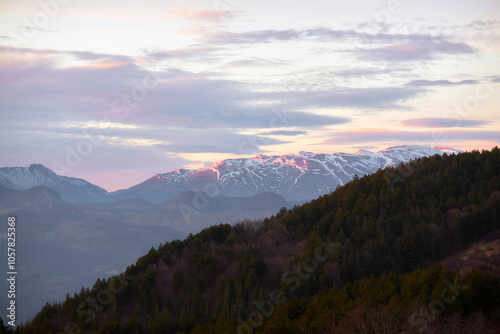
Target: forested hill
(344,263)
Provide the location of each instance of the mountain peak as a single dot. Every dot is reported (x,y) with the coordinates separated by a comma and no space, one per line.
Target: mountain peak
(40,168)
(37,166)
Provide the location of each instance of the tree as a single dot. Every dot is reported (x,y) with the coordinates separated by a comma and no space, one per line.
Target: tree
(3,328)
(112,327)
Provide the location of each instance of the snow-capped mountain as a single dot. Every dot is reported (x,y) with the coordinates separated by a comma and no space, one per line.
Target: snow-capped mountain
(297,177)
(70,188)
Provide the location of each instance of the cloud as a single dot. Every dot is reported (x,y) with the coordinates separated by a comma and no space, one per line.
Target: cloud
(78,55)
(414,50)
(364,45)
(253,62)
(366,136)
(201,22)
(373,98)
(204,112)
(322,34)
(363,71)
(424,83)
(29,28)
(223,141)
(180,98)
(65,93)
(443,123)
(197,15)
(285,133)
(310,34)
(185,113)
(183,140)
(179,115)
(198,53)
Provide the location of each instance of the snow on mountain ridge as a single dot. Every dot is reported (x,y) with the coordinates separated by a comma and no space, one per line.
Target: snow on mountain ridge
(300,176)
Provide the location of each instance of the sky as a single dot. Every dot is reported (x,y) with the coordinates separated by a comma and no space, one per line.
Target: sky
(117,91)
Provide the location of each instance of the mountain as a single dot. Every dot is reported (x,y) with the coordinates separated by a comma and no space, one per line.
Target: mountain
(297,177)
(40,201)
(65,245)
(71,189)
(62,246)
(365,258)
(132,204)
(192,211)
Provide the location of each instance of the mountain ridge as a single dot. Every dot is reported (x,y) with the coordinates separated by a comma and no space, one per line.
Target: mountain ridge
(297,177)
(70,188)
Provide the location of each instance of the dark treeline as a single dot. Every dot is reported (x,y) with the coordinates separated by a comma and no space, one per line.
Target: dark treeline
(363,259)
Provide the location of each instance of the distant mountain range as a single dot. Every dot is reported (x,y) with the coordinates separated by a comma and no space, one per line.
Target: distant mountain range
(70,225)
(296,177)
(62,245)
(66,245)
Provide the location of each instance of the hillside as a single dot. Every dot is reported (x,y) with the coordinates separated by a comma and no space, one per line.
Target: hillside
(65,245)
(354,261)
(483,254)
(62,246)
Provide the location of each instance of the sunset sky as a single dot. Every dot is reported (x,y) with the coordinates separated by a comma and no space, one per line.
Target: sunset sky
(117,91)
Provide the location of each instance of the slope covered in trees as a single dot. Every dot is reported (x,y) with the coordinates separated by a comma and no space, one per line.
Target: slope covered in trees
(359,260)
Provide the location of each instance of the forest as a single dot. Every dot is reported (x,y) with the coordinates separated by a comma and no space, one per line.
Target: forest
(366,258)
